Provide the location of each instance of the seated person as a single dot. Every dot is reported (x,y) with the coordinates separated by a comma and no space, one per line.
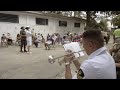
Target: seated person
(47,44)
(39,37)
(36,41)
(65,40)
(3,39)
(18,39)
(9,39)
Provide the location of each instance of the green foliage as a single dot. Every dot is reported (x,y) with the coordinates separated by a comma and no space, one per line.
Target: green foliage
(103,25)
(116,21)
(90,17)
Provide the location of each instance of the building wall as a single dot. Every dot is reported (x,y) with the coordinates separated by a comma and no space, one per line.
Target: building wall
(29,20)
(11,28)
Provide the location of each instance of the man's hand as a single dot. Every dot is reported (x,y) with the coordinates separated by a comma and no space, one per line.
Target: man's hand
(68,58)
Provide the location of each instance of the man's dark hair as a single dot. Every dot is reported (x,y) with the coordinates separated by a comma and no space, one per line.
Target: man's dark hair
(95,36)
(22,27)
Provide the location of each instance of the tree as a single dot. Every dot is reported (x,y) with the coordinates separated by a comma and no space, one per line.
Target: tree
(103,25)
(116,21)
(91,17)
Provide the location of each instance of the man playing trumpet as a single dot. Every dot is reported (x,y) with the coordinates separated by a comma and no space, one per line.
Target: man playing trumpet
(99,65)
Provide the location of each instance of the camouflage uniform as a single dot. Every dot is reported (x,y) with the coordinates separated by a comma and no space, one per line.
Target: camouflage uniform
(116,57)
(23,40)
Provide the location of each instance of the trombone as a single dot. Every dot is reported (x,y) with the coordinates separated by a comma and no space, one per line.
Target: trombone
(52,59)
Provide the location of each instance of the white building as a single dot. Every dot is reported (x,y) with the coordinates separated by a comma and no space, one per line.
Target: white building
(11,21)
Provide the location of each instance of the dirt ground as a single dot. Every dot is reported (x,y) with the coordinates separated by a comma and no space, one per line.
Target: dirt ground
(17,65)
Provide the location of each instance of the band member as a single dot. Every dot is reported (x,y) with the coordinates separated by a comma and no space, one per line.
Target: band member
(23,39)
(29,38)
(99,65)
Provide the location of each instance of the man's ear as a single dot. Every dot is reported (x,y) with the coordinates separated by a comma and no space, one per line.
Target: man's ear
(91,44)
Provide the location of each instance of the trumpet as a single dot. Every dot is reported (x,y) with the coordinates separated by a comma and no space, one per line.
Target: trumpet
(52,59)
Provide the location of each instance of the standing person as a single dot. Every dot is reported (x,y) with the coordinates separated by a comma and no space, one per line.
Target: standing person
(59,39)
(18,39)
(29,38)
(99,65)
(105,36)
(23,39)
(42,38)
(116,50)
(71,37)
(116,39)
(117,62)
(48,37)
(33,35)
(116,35)
(75,37)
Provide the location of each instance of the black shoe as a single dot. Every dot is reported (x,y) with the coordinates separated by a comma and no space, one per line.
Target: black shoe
(25,51)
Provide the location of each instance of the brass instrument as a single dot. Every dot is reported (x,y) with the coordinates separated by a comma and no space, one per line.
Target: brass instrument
(52,59)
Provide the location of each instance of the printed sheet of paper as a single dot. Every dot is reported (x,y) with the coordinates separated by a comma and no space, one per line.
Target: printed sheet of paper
(74,47)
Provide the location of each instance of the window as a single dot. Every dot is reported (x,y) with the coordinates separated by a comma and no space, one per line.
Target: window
(76,24)
(41,21)
(63,23)
(9,18)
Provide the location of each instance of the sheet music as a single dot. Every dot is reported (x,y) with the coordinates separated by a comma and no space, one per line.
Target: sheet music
(74,47)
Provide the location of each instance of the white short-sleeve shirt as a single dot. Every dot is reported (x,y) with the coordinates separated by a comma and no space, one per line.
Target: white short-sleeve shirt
(100,65)
(29,36)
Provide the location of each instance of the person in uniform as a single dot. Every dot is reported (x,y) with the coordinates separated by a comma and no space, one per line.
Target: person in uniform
(99,65)
(23,39)
(117,62)
(116,35)
(116,41)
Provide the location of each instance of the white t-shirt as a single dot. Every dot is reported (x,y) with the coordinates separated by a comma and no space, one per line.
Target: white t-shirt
(100,65)
(29,35)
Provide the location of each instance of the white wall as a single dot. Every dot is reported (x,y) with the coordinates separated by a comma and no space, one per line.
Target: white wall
(29,20)
(11,28)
